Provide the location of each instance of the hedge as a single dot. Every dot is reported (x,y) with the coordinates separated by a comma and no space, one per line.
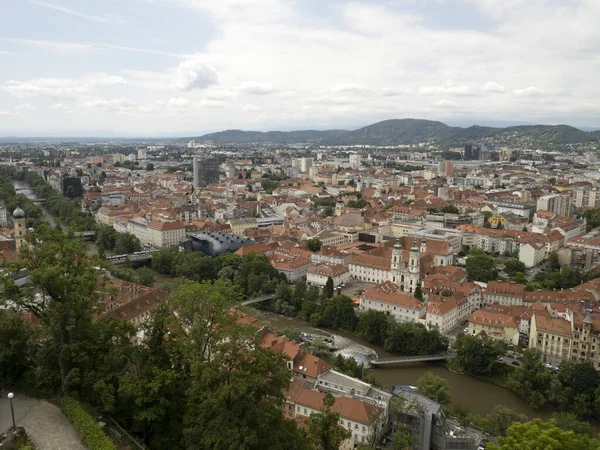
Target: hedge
(91,433)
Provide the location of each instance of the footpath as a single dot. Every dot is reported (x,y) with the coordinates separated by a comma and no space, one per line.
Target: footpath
(44,423)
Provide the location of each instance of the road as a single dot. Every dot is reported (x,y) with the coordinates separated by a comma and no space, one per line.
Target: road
(44,423)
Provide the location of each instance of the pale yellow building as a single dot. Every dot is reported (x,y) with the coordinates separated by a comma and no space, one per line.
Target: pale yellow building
(552,337)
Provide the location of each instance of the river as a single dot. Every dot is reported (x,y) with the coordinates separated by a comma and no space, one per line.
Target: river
(30,194)
(477,396)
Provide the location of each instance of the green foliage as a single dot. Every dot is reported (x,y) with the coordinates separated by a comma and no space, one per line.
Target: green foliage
(324,429)
(418,292)
(434,387)
(91,433)
(329,288)
(450,209)
(540,435)
(374,326)
(579,382)
(565,278)
(336,312)
(67,210)
(314,244)
(16,346)
(569,422)
(501,418)
(358,204)
(163,261)
(531,380)
(414,339)
(513,266)
(235,399)
(477,356)
(592,217)
(143,275)
(349,366)
(126,243)
(480,267)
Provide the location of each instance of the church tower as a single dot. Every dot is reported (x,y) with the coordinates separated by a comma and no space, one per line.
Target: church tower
(19,226)
(396,257)
(414,267)
(339,206)
(423,246)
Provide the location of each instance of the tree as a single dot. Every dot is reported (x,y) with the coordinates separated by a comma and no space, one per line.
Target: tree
(569,422)
(236,398)
(480,267)
(324,429)
(434,387)
(127,243)
(501,418)
(553,261)
(477,356)
(68,280)
(414,339)
(314,244)
(531,380)
(163,261)
(329,287)
(450,209)
(418,292)
(540,435)
(144,276)
(16,347)
(579,382)
(374,326)
(149,167)
(512,266)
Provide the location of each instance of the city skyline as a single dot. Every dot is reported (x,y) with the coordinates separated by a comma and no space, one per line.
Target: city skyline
(185,67)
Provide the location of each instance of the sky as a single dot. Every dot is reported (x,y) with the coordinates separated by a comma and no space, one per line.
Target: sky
(187,67)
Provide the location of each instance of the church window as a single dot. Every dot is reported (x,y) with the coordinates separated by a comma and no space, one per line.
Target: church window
(402,279)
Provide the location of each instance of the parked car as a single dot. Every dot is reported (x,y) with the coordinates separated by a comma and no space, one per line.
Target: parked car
(516,363)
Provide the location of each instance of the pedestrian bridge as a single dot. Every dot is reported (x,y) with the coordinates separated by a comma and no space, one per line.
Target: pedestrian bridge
(411,359)
(252,301)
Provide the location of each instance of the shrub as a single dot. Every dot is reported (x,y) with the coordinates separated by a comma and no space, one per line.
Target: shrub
(91,433)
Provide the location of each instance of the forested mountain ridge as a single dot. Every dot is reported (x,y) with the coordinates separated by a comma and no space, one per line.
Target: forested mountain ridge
(414,131)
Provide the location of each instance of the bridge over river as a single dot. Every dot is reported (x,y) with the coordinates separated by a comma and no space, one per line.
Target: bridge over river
(411,359)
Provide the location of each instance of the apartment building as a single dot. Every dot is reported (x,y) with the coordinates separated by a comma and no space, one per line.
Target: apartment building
(318,274)
(504,293)
(494,325)
(387,297)
(552,337)
(165,234)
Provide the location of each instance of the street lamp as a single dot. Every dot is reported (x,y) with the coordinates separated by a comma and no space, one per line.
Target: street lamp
(12,409)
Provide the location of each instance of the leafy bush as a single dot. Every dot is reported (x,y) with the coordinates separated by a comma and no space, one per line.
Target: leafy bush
(91,433)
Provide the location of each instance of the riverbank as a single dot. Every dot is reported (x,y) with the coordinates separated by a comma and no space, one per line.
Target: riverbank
(476,395)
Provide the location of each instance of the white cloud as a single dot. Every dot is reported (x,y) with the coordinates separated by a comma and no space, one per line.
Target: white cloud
(250,108)
(393,92)
(10,114)
(349,88)
(531,91)
(207,103)
(450,89)
(178,102)
(108,19)
(256,88)
(446,104)
(60,107)
(116,105)
(493,87)
(25,107)
(195,74)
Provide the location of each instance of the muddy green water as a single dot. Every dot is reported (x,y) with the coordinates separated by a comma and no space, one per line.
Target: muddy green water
(475,395)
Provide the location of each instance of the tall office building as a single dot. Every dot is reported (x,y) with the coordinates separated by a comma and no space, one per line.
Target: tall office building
(206,171)
(355,160)
(557,203)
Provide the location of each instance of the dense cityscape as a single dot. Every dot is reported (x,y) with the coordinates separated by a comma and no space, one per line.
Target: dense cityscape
(206,279)
(299,225)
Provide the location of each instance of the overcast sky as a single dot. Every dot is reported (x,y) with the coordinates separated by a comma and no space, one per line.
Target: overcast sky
(151,67)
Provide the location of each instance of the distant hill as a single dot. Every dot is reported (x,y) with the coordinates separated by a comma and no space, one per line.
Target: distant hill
(413,131)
